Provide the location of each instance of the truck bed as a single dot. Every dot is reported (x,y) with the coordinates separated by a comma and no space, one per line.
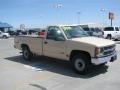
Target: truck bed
(34,42)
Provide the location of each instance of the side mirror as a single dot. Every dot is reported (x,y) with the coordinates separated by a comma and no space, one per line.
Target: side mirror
(59,39)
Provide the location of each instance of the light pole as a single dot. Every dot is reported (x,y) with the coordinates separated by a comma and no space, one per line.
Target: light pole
(110,14)
(103,11)
(57,7)
(78,17)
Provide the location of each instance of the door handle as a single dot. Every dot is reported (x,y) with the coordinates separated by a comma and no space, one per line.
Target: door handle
(45,42)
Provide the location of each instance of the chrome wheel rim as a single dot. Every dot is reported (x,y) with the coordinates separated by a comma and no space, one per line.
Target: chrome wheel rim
(79,65)
(25,53)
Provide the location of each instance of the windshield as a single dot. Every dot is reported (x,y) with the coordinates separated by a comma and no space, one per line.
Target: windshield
(74,32)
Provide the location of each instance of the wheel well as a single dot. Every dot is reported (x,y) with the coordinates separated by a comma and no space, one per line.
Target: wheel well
(82,53)
(24,46)
(109,35)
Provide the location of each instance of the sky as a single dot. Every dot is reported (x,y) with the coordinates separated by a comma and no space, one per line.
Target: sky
(38,13)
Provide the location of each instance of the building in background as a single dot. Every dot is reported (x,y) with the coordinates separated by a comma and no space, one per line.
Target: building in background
(5,27)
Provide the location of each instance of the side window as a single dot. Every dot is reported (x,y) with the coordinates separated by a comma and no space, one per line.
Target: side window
(116,28)
(58,32)
(50,33)
(54,33)
(92,29)
(109,29)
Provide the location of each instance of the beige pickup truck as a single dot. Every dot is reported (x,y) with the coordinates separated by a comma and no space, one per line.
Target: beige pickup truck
(68,42)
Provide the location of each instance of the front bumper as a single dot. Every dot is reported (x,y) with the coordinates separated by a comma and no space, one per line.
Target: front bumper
(100,60)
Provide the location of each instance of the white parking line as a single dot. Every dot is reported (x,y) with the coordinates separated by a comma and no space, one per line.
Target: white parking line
(33,68)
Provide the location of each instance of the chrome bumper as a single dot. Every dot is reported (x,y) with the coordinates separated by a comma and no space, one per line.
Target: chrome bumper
(100,60)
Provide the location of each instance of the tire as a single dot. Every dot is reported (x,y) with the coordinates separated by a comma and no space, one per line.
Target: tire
(109,37)
(115,39)
(81,64)
(4,36)
(103,64)
(27,55)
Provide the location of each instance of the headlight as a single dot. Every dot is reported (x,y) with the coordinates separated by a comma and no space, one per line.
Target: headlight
(99,51)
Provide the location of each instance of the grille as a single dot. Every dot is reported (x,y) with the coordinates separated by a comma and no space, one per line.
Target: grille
(109,47)
(109,50)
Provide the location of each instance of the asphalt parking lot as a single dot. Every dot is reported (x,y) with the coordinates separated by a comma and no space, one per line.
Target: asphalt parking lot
(49,74)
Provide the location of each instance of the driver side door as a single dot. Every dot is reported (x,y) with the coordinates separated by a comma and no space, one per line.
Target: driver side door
(54,45)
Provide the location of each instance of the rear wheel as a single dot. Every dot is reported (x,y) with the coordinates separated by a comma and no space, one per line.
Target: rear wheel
(27,55)
(5,36)
(81,64)
(116,39)
(109,37)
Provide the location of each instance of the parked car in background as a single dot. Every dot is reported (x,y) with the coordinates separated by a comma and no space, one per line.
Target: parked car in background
(93,31)
(4,35)
(11,33)
(34,31)
(31,31)
(97,32)
(112,33)
(20,32)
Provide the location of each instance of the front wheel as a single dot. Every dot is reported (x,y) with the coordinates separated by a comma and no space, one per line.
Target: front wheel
(103,64)
(27,55)
(81,64)
(109,37)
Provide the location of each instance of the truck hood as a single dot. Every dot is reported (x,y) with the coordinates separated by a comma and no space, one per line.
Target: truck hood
(98,42)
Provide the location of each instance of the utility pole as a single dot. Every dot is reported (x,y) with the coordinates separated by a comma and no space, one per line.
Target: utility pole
(78,17)
(58,6)
(111,22)
(103,11)
(111,17)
